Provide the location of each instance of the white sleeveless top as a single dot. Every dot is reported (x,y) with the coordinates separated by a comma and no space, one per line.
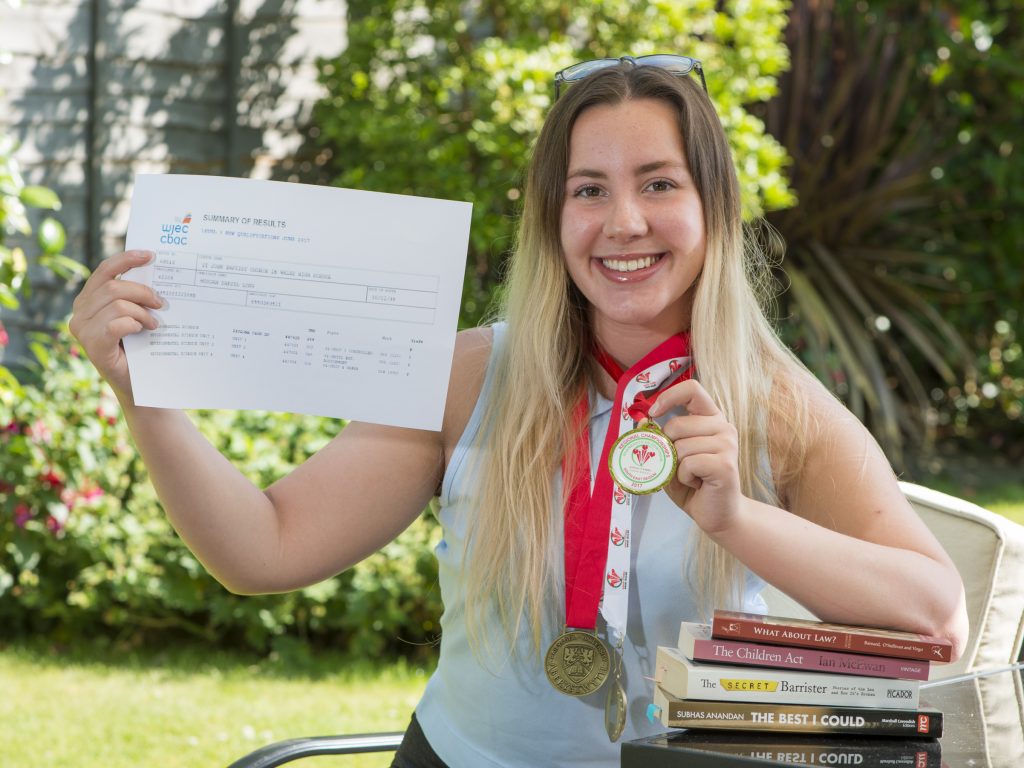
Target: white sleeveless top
(501,711)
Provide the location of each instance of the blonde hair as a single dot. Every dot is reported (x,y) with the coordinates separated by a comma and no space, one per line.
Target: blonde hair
(544,366)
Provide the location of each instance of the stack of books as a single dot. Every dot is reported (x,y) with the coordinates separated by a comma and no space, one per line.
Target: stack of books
(746,672)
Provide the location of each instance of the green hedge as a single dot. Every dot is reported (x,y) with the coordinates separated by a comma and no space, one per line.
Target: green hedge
(85,549)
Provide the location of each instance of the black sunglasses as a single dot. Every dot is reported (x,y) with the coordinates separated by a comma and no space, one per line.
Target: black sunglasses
(670,62)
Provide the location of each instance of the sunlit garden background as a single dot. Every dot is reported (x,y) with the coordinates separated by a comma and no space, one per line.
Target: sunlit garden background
(882,141)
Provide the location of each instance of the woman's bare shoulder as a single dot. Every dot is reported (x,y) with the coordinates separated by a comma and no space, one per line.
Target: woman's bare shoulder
(836,472)
(806,419)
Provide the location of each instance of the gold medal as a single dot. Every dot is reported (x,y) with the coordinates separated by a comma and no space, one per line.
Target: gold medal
(643,460)
(615,710)
(615,702)
(577,663)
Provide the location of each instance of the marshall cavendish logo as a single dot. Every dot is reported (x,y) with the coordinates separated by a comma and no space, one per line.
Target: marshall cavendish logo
(176,233)
(618,537)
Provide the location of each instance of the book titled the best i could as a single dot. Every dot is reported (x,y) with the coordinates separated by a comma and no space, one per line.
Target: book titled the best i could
(794,718)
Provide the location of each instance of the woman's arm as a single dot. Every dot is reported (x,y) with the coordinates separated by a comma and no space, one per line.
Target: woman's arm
(352,497)
(850,548)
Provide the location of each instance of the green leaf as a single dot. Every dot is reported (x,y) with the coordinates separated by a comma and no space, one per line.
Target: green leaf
(7,297)
(40,197)
(41,352)
(10,388)
(63,266)
(51,235)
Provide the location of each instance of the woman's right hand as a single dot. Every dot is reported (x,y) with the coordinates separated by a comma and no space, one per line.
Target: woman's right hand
(108,309)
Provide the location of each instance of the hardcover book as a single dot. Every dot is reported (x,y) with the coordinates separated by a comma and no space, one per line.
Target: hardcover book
(776,630)
(696,642)
(685,679)
(794,718)
(697,749)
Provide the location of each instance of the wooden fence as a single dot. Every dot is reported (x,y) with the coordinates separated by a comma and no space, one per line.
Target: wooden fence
(96,91)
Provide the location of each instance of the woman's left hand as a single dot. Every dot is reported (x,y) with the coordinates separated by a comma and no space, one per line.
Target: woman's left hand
(707,482)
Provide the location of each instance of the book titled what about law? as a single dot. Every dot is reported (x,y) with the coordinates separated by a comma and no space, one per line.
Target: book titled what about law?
(696,642)
(685,679)
(736,625)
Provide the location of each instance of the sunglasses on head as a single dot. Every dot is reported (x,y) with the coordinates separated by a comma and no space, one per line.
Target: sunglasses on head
(670,62)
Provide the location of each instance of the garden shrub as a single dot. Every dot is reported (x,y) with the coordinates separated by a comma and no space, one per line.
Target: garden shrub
(86,550)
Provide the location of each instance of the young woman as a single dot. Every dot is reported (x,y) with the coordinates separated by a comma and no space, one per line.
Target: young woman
(630,300)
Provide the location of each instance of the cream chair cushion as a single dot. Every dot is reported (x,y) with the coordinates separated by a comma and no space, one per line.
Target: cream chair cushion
(988,550)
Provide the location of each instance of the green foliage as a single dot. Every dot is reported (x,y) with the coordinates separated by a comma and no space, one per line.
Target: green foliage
(85,548)
(444,98)
(974,64)
(16,198)
(873,253)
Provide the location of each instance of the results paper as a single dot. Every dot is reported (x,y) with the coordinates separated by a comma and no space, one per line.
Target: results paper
(290,297)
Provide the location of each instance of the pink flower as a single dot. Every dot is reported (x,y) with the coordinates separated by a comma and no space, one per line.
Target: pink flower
(91,494)
(54,525)
(71,497)
(5,339)
(22,514)
(39,432)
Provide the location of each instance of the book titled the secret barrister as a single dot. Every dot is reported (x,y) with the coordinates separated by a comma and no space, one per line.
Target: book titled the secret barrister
(696,642)
(776,630)
(686,679)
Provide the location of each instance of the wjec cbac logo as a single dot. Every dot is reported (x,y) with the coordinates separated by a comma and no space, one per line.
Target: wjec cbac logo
(176,233)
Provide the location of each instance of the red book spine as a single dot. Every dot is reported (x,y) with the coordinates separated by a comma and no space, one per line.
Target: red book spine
(735,626)
(814,659)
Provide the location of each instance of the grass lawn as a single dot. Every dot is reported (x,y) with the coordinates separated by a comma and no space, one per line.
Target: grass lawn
(186,707)
(996,490)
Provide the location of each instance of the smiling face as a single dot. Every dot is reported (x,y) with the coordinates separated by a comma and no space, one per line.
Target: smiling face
(632,224)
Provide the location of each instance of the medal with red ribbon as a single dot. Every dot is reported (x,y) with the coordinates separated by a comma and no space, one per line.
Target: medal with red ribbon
(597,521)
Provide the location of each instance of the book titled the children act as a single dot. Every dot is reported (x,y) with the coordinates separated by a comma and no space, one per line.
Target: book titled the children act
(794,718)
(685,679)
(696,642)
(735,625)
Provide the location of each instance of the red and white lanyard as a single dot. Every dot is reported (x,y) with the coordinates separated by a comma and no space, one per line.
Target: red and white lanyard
(598,519)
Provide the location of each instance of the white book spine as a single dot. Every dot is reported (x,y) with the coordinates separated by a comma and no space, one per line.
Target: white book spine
(685,679)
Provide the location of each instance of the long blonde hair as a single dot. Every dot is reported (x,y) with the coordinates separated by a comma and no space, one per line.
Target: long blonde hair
(544,364)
